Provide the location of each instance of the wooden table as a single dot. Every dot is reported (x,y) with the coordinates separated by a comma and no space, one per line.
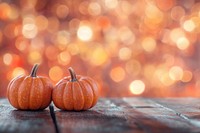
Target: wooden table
(117,115)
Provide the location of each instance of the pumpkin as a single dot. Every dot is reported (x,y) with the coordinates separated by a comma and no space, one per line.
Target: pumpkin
(30,92)
(75,92)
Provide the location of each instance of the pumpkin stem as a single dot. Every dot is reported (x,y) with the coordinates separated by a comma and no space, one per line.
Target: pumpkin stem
(34,70)
(73,74)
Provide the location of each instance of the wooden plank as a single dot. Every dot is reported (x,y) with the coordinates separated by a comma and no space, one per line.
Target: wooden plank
(155,118)
(105,117)
(115,115)
(15,121)
(187,108)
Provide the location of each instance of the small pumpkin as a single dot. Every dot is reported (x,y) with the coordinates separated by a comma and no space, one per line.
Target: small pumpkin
(75,92)
(30,92)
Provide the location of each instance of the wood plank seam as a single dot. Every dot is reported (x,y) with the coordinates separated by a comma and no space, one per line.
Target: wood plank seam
(193,122)
(168,120)
(129,117)
(119,109)
(53,117)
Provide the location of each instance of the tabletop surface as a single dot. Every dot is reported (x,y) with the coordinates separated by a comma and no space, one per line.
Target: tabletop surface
(114,115)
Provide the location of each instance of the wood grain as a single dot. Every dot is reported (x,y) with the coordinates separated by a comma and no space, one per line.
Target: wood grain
(115,115)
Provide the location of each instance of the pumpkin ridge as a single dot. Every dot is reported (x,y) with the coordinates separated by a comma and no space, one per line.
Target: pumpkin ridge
(92,88)
(81,94)
(18,92)
(95,89)
(83,86)
(63,98)
(39,82)
(30,93)
(43,86)
(31,90)
(17,87)
(72,86)
(55,94)
(9,86)
(50,87)
(60,82)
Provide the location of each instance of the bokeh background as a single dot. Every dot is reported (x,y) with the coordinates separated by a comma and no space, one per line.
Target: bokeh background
(144,48)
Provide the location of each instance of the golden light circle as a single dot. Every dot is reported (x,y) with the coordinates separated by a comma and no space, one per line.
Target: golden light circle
(7,58)
(149,44)
(182,43)
(176,73)
(55,73)
(18,71)
(85,33)
(137,87)
(117,74)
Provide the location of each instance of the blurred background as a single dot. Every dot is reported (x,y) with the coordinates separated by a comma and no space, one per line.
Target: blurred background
(144,48)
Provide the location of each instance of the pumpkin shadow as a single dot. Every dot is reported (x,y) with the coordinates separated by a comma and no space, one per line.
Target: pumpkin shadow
(28,114)
(100,121)
(82,113)
(30,121)
(75,115)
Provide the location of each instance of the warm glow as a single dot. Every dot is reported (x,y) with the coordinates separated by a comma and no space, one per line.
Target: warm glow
(133,67)
(113,41)
(98,56)
(125,53)
(21,44)
(73,49)
(111,3)
(176,73)
(176,33)
(5,10)
(149,44)
(169,59)
(187,76)
(148,71)
(189,25)
(126,35)
(62,39)
(165,5)
(62,11)
(177,13)
(154,14)
(182,43)
(166,80)
(34,57)
(17,72)
(53,24)
(41,22)
(137,87)
(55,73)
(85,33)
(64,58)
(117,74)
(51,50)
(7,58)
(29,30)
(94,8)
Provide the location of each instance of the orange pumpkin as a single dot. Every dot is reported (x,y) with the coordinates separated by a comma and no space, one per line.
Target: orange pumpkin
(30,92)
(75,92)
